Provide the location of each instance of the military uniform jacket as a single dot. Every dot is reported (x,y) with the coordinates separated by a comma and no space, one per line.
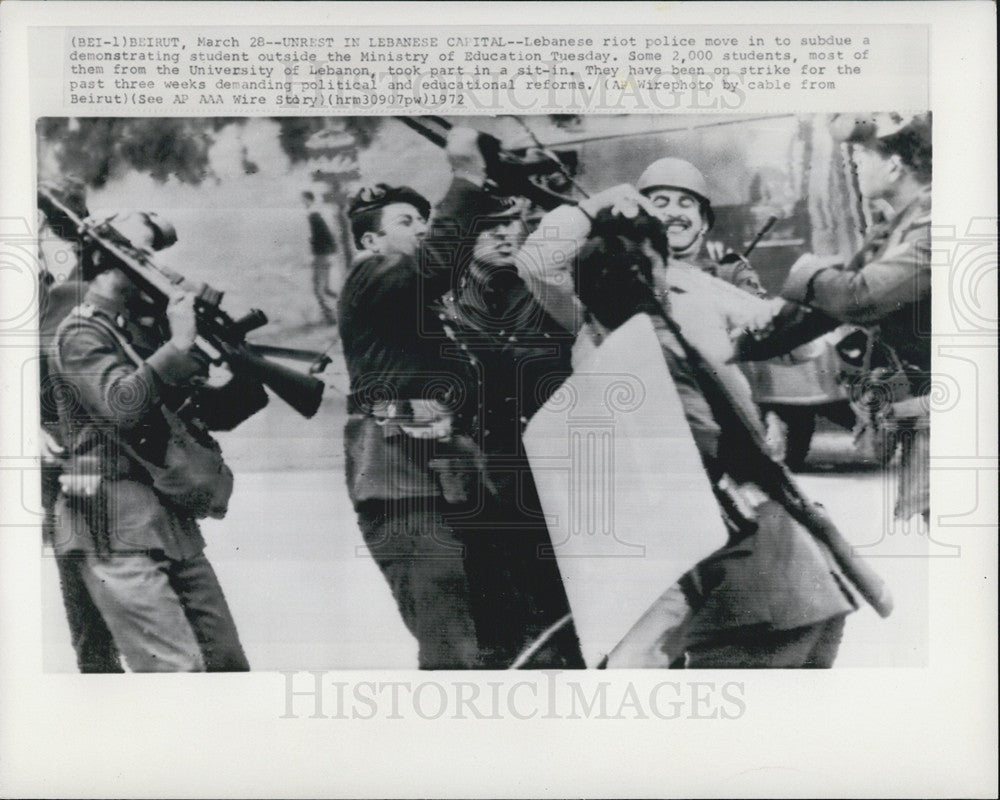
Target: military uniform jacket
(887,283)
(105,399)
(396,352)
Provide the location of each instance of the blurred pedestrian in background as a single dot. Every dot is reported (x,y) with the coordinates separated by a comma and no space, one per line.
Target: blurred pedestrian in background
(323,247)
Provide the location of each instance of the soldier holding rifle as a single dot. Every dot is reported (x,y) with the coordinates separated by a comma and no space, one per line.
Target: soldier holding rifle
(140,469)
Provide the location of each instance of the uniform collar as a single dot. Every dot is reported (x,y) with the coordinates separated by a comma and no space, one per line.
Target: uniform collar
(917,205)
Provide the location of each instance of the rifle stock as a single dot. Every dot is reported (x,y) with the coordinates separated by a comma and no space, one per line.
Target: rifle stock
(223,334)
(774,478)
(814,519)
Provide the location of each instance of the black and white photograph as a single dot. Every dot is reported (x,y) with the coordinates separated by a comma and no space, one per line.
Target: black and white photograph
(560,399)
(484,393)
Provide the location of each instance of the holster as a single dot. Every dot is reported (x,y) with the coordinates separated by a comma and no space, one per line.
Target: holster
(461,470)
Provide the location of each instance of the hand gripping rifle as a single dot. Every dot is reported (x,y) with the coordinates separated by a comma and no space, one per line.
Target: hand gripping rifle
(221,338)
(744,438)
(776,481)
(515,172)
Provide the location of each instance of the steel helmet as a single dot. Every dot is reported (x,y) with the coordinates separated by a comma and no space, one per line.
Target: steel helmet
(862,128)
(676,173)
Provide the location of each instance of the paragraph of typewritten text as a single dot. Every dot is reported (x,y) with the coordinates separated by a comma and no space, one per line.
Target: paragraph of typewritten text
(459,70)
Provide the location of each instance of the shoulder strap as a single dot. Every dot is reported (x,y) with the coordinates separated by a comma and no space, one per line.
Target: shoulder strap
(87,312)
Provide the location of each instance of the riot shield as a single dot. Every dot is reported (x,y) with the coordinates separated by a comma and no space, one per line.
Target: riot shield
(626,498)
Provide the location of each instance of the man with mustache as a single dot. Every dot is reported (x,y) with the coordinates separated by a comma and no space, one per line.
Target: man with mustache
(678,190)
(793,390)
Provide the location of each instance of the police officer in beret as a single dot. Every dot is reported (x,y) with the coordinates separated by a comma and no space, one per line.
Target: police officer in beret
(438,334)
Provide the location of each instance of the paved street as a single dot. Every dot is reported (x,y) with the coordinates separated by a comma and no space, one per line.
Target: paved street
(305,597)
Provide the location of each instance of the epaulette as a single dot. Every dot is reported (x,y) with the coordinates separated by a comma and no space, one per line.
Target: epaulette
(89,311)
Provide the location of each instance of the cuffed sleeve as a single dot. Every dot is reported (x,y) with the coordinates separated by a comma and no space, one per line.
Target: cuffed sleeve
(900,276)
(547,261)
(798,284)
(172,365)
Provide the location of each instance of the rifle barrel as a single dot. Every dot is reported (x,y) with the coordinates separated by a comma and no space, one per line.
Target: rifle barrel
(760,235)
(302,392)
(295,353)
(432,136)
(776,481)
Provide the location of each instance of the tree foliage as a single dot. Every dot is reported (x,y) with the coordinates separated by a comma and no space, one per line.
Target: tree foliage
(99,149)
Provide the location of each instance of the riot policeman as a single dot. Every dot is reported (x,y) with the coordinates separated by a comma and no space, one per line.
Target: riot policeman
(885,286)
(436,326)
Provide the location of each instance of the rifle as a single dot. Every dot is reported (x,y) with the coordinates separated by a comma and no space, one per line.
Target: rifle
(514,173)
(776,481)
(731,258)
(795,325)
(220,337)
(760,235)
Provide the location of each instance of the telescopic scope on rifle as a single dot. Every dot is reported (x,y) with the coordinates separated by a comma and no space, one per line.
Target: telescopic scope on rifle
(220,337)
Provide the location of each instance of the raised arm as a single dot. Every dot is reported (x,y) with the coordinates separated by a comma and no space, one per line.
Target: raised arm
(547,261)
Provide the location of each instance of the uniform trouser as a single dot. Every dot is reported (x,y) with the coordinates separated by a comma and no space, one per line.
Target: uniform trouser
(423,560)
(759,647)
(92,641)
(95,648)
(165,615)
(472,590)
